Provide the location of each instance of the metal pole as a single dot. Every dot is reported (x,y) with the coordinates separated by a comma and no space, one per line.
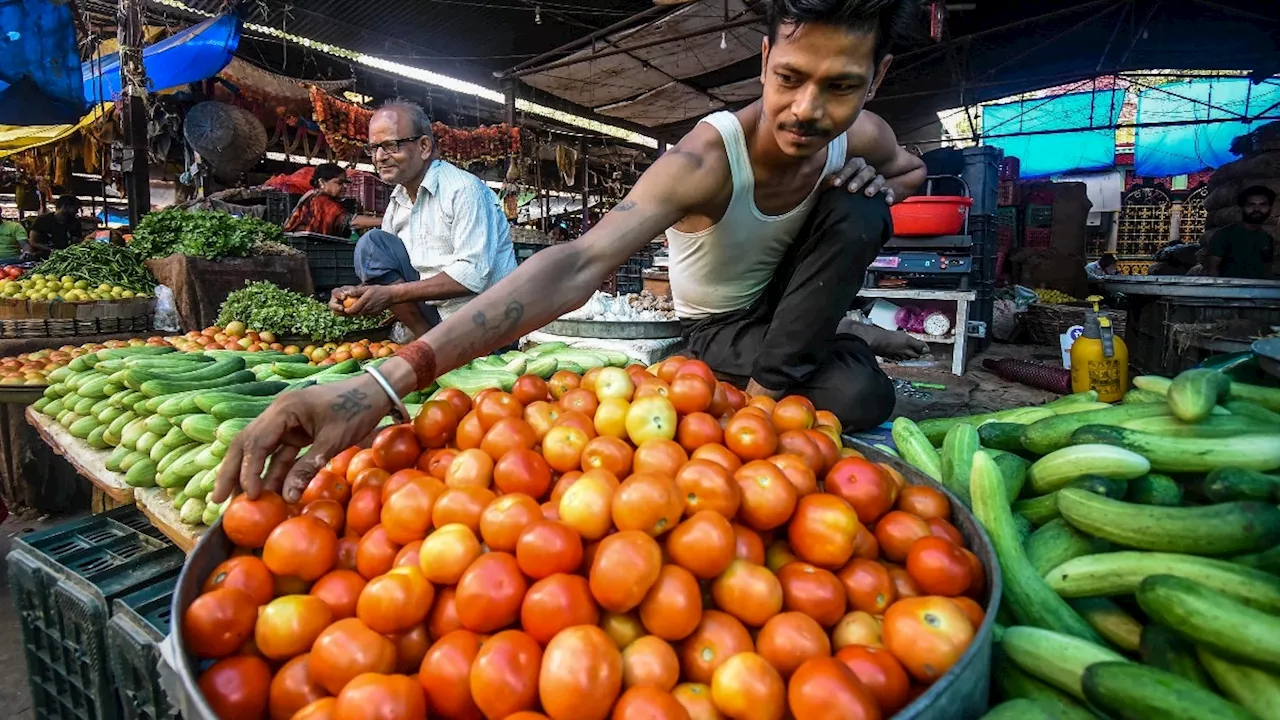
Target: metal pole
(740,22)
(574,44)
(510,92)
(586,184)
(133,90)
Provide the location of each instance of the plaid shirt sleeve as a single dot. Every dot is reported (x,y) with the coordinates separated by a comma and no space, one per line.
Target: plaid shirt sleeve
(479,229)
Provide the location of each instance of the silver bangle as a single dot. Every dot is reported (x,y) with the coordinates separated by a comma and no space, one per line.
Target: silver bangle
(397,405)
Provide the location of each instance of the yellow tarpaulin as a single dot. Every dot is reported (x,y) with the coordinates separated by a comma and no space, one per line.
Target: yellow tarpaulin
(16,138)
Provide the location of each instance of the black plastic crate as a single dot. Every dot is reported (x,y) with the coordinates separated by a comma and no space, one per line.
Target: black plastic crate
(982,174)
(332,260)
(64,580)
(524,250)
(1039,216)
(138,622)
(279,207)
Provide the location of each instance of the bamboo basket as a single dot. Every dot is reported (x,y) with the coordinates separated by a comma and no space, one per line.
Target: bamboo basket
(1042,323)
(39,318)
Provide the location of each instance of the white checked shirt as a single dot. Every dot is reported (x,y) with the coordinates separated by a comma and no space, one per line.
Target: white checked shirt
(456,227)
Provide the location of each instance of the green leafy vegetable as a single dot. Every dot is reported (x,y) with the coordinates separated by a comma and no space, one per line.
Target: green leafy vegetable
(264,306)
(211,235)
(99,263)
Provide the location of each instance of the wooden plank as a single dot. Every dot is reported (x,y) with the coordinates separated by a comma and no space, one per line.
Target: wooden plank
(158,507)
(917,294)
(90,463)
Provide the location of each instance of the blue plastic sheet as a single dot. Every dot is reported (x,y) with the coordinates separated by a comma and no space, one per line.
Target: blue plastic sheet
(1049,154)
(1178,149)
(39,82)
(195,54)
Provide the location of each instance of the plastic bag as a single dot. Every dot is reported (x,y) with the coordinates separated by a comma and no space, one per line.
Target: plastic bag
(166,318)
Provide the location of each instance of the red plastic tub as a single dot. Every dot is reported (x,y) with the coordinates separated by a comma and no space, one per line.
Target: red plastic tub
(927,215)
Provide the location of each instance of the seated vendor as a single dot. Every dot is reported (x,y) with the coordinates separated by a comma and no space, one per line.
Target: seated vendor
(320,211)
(1246,249)
(56,230)
(444,237)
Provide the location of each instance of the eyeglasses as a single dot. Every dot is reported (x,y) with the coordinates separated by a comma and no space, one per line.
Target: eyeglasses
(389,146)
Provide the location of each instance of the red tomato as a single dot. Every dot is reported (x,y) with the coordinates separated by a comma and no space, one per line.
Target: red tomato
(647,502)
(547,547)
(505,518)
(672,608)
(608,453)
(704,544)
(506,435)
(530,389)
(794,412)
(293,688)
(470,468)
(217,623)
(327,485)
(881,673)
(395,602)
(446,675)
(924,502)
(822,530)
(581,674)
(768,497)
(364,511)
(459,400)
(375,554)
(443,618)
(691,394)
(462,505)
(943,529)
(497,405)
(708,485)
(646,702)
(789,639)
(749,592)
(381,697)
(813,591)
(246,573)
(248,523)
(927,634)
(562,382)
(747,686)
(329,511)
(303,547)
(864,486)
(751,437)
(237,687)
(346,649)
(398,446)
(555,603)
(828,688)
(938,567)
(748,545)
(625,567)
(896,532)
(436,424)
(340,589)
(490,592)
(869,586)
(411,647)
(650,660)
(523,471)
(504,675)
(718,454)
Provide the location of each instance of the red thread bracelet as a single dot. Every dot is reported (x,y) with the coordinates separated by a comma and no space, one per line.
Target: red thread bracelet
(422,359)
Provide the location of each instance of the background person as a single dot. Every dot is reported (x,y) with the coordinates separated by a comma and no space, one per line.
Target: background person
(56,230)
(1244,250)
(321,211)
(13,238)
(444,238)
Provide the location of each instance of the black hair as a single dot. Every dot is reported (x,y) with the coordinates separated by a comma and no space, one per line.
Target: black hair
(1254,191)
(68,202)
(1107,260)
(890,20)
(326,172)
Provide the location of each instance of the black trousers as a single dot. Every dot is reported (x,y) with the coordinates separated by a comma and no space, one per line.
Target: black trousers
(787,340)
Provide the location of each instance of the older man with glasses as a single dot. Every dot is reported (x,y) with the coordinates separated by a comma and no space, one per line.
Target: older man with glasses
(444,237)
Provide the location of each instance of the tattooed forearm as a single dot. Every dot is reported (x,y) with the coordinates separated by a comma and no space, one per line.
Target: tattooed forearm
(351,404)
(493,332)
(624,206)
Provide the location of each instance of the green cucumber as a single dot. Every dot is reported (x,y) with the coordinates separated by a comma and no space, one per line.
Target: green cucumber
(545,348)
(178,466)
(1024,709)
(1013,683)
(132,432)
(146,441)
(1127,691)
(85,406)
(133,458)
(117,426)
(1165,649)
(1267,561)
(1032,600)
(1056,658)
(1153,384)
(228,430)
(199,427)
(1121,573)
(1154,489)
(1138,396)
(1213,621)
(1005,436)
(141,474)
(1251,410)
(179,499)
(1225,484)
(99,406)
(247,408)
(958,449)
(41,404)
(158,424)
(543,367)
(83,426)
(53,409)
(1258,691)
(1194,393)
(109,414)
(192,510)
(222,367)
(1190,454)
(157,388)
(916,448)
(295,371)
(1014,470)
(1266,397)
(1055,470)
(1114,624)
(116,457)
(1222,529)
(1040,510)
(1214,426)
(95,439)
(218,449)
(1054,433)
(206,459)
(1057,542)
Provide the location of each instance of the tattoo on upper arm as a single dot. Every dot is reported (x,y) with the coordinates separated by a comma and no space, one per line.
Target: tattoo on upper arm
(624,206)
(491,331)
(351,404)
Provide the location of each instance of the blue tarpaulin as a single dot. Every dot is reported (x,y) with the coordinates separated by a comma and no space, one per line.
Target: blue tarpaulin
(195,54)
(1178,149)
(39,82)
(1049,154)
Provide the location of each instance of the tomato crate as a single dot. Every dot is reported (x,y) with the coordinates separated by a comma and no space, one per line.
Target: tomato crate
(139,621)
(63,582)
(332,260)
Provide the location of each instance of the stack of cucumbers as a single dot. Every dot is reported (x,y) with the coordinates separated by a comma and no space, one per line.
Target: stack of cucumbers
(545,360)
(1139,545)
(170,416)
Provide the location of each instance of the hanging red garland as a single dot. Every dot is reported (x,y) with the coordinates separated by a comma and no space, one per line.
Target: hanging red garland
(346,128)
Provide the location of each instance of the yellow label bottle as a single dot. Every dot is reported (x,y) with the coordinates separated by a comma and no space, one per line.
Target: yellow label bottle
(1099,359)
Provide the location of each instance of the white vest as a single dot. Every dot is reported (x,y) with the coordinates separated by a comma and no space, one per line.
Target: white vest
(728,266)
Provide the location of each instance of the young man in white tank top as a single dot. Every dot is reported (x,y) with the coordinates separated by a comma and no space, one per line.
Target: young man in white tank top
(775,212)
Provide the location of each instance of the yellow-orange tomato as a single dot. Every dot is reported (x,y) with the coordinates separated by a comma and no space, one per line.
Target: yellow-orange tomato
(927,635)
(747,686)
(647,502)
(650,661)
(749,592)
(822,530)
(857,628)
(587,504)
(447,553)
(625,567)
(505,518)
(395,602)
(470,468)
(288,626)
(789,639)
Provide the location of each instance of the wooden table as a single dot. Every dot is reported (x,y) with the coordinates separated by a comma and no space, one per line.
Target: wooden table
(91,464)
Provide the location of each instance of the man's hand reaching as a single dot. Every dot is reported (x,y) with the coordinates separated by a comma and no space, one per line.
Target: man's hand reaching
(328,418)
(363,300)
(857,175)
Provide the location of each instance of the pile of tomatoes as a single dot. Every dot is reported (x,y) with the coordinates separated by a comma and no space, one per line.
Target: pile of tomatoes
(638,543)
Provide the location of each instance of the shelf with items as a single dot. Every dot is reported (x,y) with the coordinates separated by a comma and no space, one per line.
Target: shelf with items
(959,337)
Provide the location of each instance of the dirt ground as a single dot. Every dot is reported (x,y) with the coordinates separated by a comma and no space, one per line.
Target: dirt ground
(977,391)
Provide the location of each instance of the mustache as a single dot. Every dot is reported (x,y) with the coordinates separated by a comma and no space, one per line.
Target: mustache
(806,129)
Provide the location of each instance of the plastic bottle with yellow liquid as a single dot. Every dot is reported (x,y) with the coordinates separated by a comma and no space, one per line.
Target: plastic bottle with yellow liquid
(1099,359)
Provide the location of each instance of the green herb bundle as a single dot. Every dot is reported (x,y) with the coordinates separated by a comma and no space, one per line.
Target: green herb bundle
(211,235)
(264,306)
(100,263)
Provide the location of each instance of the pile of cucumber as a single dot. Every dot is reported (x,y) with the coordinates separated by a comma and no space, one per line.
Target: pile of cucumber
(169,415)
(1139,545)
(545,360)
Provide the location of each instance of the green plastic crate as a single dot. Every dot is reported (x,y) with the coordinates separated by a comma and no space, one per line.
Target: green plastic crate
(138,622)
(64,580)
